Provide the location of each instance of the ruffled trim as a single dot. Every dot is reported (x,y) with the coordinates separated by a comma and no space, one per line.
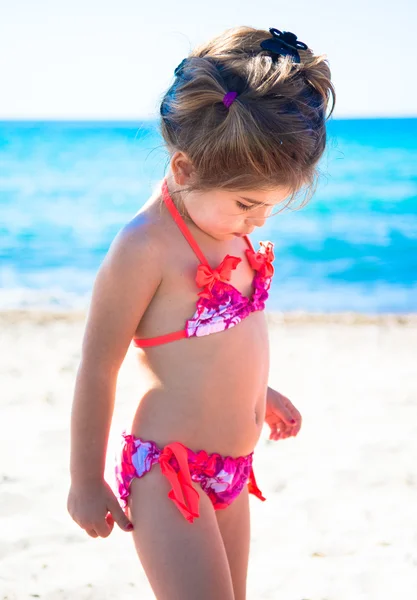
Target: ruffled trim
(198,455)
(136,458)
(220,305)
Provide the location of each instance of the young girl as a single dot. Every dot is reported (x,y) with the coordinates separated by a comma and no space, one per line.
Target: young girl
(244,125)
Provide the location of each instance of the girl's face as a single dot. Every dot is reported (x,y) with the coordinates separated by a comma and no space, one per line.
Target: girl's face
(224,214)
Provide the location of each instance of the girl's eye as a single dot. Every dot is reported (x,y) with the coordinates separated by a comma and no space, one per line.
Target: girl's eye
(243,206)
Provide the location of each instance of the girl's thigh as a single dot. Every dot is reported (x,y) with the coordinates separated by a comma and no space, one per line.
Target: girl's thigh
(182,560)
(234,525)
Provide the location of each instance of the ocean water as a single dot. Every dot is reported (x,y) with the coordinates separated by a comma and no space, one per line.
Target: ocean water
(66,188)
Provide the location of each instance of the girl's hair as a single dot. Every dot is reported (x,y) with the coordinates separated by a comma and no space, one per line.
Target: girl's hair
(273,134)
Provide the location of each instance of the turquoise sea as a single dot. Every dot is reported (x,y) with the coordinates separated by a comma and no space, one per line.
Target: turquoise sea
(67,187)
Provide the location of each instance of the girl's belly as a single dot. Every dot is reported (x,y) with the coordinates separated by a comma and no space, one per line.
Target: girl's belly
(208,393)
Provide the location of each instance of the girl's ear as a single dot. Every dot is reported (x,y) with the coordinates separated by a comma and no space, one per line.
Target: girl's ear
(182,168)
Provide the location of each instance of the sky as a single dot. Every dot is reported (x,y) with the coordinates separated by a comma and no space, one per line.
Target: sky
(95,59)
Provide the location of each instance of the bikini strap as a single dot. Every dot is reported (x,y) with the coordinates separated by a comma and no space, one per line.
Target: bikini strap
(249,243)
(181,223)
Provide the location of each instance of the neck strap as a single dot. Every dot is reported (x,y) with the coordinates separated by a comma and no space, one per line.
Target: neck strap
(181,223)
(183,226)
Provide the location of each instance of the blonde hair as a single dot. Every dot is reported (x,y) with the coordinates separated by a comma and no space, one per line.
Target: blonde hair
(272,135)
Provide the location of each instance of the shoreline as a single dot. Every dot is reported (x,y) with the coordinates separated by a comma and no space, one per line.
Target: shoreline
(43,317)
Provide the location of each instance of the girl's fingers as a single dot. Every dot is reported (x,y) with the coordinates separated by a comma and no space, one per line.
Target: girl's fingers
(283,431)
(92,533)
(110,519)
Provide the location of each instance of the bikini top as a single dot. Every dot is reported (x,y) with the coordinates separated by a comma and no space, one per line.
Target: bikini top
(219,306)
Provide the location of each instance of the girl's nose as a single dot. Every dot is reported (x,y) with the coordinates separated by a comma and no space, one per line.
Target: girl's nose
(258,217)
(257,221)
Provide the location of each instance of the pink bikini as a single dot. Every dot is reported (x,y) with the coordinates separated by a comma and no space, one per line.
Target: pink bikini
(219,306)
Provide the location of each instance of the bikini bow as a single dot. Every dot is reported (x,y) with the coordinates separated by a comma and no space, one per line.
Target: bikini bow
(262,259)
(206,276)
(182,493)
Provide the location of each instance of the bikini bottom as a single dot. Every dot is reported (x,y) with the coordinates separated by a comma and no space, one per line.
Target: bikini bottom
(221,477)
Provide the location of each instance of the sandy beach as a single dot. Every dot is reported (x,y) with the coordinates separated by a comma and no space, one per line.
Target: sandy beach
(340,520)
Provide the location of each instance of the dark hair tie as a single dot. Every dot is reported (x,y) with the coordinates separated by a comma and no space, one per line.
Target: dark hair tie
(283,43)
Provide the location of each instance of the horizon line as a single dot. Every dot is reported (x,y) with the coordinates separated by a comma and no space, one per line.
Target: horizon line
(155,119)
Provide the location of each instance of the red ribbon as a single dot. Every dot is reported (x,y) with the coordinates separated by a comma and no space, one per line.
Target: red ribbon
(262,260)
(206,276)
(183,494)
(253,487)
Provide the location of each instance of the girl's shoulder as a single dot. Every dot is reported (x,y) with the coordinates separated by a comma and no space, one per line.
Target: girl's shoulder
(143,237)
(126,282)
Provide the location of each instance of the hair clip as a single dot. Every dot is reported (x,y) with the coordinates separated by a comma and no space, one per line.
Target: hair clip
(284,43)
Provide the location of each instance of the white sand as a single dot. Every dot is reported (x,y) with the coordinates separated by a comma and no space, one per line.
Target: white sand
(340,520)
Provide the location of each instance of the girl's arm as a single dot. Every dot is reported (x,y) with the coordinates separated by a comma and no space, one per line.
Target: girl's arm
(126,282)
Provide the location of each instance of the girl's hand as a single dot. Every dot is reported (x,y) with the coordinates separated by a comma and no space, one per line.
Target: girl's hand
(95,508)
(282,416)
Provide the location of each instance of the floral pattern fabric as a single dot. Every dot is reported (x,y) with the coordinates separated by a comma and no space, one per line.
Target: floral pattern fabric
(221,477)
(220,305)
